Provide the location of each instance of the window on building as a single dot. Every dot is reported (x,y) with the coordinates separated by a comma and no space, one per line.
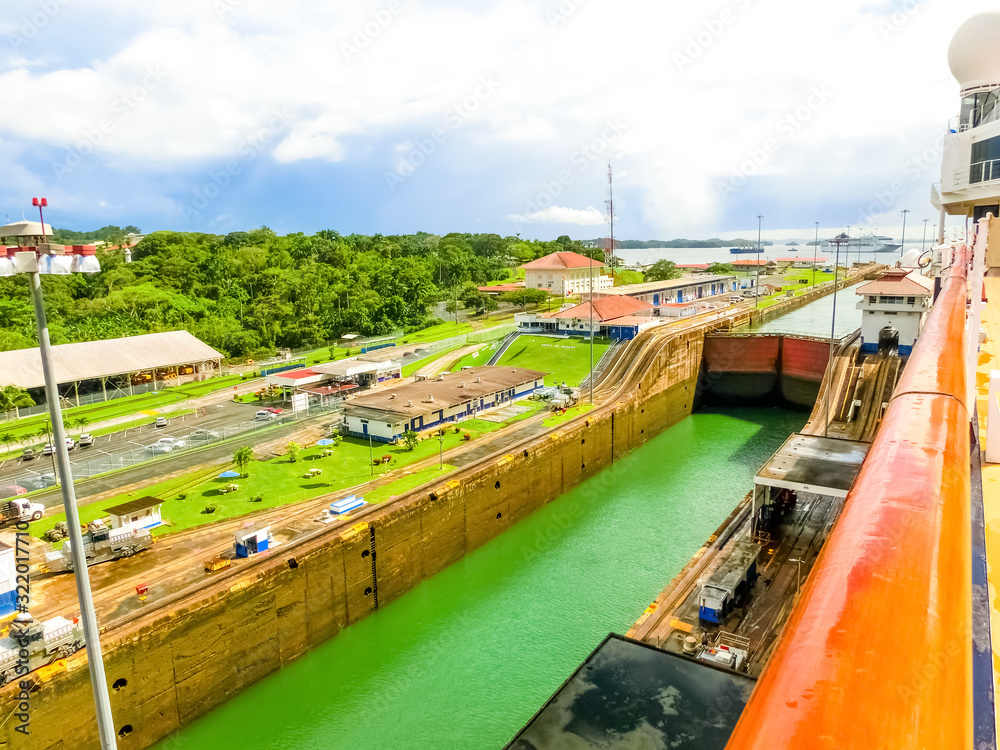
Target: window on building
(871,299)
(895,300)
(911,300)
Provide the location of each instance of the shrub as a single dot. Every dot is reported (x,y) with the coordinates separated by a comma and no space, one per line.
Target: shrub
(466,436)
(209,509)
(182,497)
(256,499)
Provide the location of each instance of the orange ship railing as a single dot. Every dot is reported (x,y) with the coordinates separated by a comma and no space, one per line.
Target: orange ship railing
(878,650)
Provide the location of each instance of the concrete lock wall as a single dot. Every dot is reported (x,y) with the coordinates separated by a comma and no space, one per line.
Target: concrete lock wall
(173,665)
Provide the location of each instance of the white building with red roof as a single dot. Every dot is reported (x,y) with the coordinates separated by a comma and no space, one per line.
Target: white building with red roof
(566,273)
(614,317)
(893,310)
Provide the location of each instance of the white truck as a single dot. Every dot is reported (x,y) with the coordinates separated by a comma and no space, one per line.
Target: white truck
(16,509)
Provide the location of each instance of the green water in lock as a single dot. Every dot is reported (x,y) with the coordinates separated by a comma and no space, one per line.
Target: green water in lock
(464,659)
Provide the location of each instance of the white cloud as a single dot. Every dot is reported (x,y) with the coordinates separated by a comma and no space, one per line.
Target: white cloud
(587,217)
(703,87)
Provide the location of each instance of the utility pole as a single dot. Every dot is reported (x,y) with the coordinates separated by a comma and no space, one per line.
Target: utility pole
(902,237)
(923,240)
(756,295)
(815,251)
(837,241)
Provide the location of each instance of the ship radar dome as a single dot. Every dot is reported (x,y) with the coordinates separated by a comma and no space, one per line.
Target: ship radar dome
(974,53)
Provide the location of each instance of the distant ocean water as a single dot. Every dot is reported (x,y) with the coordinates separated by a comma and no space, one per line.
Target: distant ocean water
(646,256)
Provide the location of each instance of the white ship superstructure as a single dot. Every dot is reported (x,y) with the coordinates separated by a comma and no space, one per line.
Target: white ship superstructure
(970,165)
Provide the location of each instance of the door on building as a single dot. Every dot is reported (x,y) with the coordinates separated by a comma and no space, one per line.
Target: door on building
(364,430)
(656,299)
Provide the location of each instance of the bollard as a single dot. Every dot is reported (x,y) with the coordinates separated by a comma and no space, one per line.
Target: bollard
(993,420)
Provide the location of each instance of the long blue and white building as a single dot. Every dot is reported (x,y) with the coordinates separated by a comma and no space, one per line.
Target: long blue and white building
(386,413)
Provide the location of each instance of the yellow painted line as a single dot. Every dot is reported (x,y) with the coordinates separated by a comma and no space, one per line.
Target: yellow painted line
(239,585)
(354,530)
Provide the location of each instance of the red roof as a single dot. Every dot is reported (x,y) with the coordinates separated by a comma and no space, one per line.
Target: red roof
(678,304)
(898,281)
(305,372)
(559,261)
(605,309)
(499,288)
(703,266)
(749,263)
(809,259)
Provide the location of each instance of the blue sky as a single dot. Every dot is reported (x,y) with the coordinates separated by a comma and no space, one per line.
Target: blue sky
(397,116)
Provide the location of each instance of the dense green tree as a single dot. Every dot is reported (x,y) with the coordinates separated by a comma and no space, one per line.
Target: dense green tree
(662,270)
(13,398)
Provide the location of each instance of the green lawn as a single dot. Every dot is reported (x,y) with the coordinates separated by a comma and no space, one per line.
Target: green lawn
(278,481)
(563,359)
(624,277)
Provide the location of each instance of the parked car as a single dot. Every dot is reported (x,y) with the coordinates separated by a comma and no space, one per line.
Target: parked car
(161,421)
(49,448)
(12,490)
(264,415)
(86,439)
(158,448)
(203,434)
(29,454)
(40,482)
(274,410)
(172,442)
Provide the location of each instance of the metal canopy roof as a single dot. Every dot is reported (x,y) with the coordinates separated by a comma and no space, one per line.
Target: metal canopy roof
(631,695)
(812,463)
(101,359)
(134,505)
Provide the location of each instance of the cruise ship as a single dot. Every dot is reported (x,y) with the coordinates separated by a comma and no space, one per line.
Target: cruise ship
(869,243)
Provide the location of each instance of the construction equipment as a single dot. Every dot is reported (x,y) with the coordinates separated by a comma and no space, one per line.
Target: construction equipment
(100,544)
(31,644)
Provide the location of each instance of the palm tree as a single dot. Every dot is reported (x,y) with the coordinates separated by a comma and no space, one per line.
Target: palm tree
(242,459)
(82,422)
(8,439)
(13,398)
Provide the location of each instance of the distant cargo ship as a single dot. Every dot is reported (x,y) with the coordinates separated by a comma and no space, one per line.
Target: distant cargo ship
(744,249)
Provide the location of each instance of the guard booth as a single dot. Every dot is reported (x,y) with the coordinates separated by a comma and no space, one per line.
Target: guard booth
(252,541)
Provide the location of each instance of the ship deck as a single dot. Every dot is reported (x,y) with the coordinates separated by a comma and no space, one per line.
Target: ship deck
(989,359)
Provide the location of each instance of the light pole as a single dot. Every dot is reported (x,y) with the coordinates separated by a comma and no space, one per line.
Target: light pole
(923,240)
(756,295)
(441,448)
(837,241)
(52,259)
(902,237)
(592,329)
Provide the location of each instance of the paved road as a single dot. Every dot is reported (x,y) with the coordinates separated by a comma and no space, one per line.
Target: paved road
(152,469)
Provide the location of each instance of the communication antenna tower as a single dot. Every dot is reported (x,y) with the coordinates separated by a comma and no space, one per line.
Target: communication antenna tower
(609,251)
